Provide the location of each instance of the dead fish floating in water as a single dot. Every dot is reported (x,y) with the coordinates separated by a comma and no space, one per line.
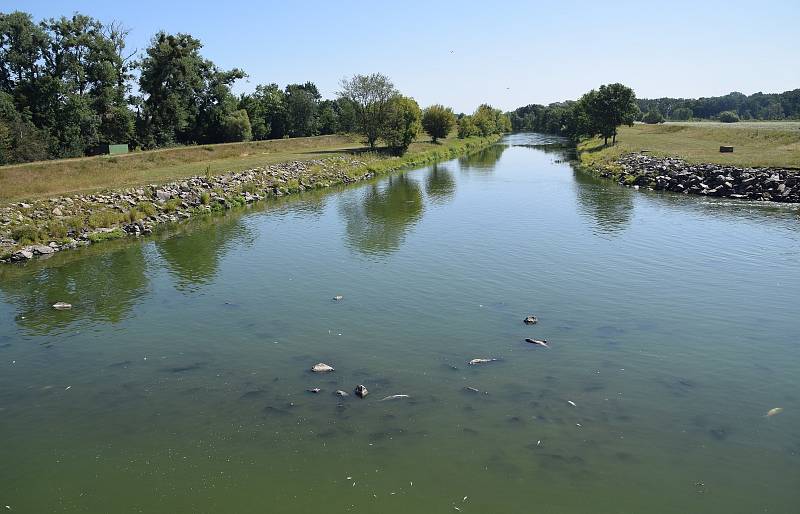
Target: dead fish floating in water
(338,297)
(395,397)
(537,342)
(773,412)
(62,306)
(341,394)
(321,368)
(475,362)
(314,390)
(531,320)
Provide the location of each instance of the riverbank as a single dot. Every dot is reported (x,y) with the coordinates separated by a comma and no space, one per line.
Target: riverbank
(756,144)
(685,158)
(41,227)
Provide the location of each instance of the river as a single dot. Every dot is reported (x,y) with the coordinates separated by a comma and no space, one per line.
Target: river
(178,381)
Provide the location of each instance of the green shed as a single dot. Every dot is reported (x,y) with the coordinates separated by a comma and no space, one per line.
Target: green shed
(117,149)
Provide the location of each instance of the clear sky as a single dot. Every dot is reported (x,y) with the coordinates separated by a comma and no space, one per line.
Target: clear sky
(463,53)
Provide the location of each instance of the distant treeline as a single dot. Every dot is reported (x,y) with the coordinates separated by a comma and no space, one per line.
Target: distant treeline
(69,85)
(758,106)
(562,117)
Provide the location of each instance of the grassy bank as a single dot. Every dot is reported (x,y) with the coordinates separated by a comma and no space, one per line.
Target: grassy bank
(62,221)
(756,144)
(65,176)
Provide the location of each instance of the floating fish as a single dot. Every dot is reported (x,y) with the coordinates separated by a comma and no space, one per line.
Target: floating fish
(396,397)
(773,412)
(537,342)
(338,297)
(571,403)
(314,390)
(481,361)
(62,306)
(321,368)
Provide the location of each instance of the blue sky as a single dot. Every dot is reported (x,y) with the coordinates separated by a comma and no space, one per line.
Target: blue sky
(464,53)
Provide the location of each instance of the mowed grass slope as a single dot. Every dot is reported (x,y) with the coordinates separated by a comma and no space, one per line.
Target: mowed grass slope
(58,177)
(756,144)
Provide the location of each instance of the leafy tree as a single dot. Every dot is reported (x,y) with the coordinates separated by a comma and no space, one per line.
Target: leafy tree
(402,123)
(609,107)
(682,114)
(466,127)
(236,127)
(438,121)
(485,120)
(728,117)
(653,117)
(370,96)
(328,118)
(266,108)
(186,97)
(20,140)
(301,109)
(347,120)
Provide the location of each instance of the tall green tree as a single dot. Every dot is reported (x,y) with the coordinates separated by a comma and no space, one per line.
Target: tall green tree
(438,121)
(370,96)
(266,109)
(302,102)
(185,97)
(609,107)
(402,124)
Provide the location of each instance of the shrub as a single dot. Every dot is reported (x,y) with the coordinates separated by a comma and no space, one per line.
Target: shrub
(653,117)
(134,215)
(147,208)
(728,117)
(438,121)
(57,229)
(26,234)
(205,198)
(105,218)
(172,205)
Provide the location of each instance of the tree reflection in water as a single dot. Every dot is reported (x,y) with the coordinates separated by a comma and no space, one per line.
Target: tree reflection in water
(380,220)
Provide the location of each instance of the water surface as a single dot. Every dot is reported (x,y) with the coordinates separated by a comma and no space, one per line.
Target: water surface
(178,381)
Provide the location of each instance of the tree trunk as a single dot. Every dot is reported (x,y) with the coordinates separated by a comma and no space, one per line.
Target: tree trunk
(614,138)
(605,140)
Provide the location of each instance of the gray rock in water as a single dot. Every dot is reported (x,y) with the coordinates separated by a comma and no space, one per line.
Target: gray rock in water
(531,320)
(321,368)
(361,391)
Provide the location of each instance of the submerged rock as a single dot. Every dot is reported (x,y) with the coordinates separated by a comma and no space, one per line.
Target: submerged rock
(530,320)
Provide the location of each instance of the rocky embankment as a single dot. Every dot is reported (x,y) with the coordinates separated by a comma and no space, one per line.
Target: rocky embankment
(672,174)
(43,227)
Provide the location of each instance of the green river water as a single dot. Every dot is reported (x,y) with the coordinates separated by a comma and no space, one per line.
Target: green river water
(177,383)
